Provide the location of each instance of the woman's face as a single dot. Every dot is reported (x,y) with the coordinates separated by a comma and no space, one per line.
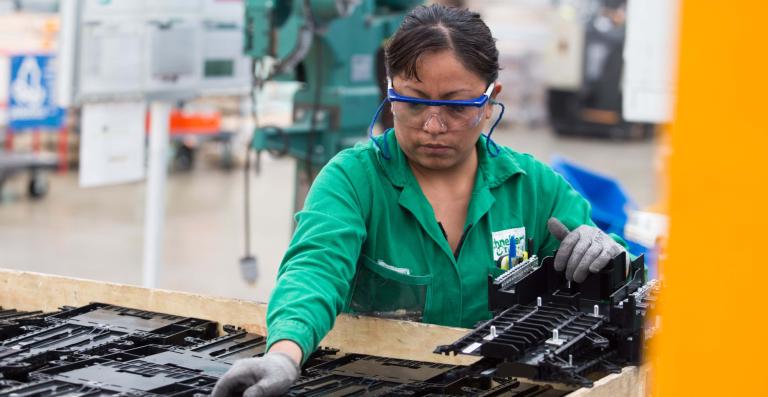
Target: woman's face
(432,146)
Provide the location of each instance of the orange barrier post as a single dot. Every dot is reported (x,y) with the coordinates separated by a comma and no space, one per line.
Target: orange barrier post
(714,306)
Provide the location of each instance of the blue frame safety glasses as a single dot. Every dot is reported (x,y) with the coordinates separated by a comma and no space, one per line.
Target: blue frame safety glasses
(445,115)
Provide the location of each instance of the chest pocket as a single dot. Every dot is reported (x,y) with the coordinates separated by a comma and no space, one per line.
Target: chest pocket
(387,291)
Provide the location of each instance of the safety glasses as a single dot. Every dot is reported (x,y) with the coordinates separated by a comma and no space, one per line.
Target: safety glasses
(445,115)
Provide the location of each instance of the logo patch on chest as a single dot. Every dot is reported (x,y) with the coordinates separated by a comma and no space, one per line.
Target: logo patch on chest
(502,239)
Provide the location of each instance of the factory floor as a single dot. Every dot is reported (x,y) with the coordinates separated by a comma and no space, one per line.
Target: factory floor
(97,233)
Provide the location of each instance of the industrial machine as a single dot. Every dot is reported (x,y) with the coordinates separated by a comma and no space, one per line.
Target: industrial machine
(585,95)
(37,166)
(333,47)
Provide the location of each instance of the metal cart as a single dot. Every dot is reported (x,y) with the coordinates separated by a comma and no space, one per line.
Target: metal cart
(37,166)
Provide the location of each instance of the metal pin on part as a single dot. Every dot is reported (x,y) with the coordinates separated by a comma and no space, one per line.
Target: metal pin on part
(570,360)
(555,340)
(568,283)
(596,311)
(493,332)
(538,301)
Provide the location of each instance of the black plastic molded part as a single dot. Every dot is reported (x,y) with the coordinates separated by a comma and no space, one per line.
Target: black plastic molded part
(610,285)
(319,357)
(93,330)
(134,320)
(356,374)
(14,323)
(13,314)
(29,352)
(600,322)
(386,369)
(340,385)
(54,388)
(236,345)
(105,350)
(139,375)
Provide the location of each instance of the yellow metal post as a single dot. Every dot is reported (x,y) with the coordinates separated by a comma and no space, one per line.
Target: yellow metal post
(715,303)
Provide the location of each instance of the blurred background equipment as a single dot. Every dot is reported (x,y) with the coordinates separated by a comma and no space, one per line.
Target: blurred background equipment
(31,108)
(650,55)
(113,50)
(117,55)
(645,65)
(116,71)
(585,97)
(15,163)
(614,211)
(332,48)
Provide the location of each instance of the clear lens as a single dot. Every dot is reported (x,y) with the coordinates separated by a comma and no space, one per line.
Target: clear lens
(451,117)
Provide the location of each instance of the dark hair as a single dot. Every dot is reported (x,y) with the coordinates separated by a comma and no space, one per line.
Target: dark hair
(437,27)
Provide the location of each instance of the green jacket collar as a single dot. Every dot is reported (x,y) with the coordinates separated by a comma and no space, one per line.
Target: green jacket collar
(494,170)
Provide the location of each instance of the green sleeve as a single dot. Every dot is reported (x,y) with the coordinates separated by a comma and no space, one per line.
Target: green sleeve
(566,204)
(316,272)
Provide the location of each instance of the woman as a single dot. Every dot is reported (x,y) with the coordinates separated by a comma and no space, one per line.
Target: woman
(411,224)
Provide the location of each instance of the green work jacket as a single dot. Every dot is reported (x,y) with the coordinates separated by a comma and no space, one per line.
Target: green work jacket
(367,241)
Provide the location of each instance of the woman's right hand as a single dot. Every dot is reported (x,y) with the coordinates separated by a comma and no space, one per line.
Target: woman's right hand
(269,375)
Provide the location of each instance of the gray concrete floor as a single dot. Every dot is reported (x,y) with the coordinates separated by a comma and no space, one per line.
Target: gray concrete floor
(97,233)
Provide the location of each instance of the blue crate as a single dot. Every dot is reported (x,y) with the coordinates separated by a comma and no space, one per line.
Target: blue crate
(608,199)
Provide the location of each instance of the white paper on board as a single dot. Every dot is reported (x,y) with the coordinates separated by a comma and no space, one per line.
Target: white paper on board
(650,57)
(112,146)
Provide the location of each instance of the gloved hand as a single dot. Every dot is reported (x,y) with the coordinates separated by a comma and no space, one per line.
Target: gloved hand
(583,250)
(270,375)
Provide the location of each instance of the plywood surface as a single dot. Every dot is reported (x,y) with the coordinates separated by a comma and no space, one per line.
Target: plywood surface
(631,382)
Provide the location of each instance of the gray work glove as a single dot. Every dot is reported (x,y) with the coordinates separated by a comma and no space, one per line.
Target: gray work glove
(270,375)
(583,250)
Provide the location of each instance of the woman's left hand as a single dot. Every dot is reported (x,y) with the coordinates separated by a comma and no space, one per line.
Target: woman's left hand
(585,249)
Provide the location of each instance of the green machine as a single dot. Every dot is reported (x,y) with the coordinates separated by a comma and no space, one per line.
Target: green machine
(334,48)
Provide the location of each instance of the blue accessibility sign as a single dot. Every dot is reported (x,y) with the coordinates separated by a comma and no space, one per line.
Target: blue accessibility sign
(31,103)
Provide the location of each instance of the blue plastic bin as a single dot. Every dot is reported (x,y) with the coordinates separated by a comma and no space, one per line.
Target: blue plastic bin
(609,201)
(609,204)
